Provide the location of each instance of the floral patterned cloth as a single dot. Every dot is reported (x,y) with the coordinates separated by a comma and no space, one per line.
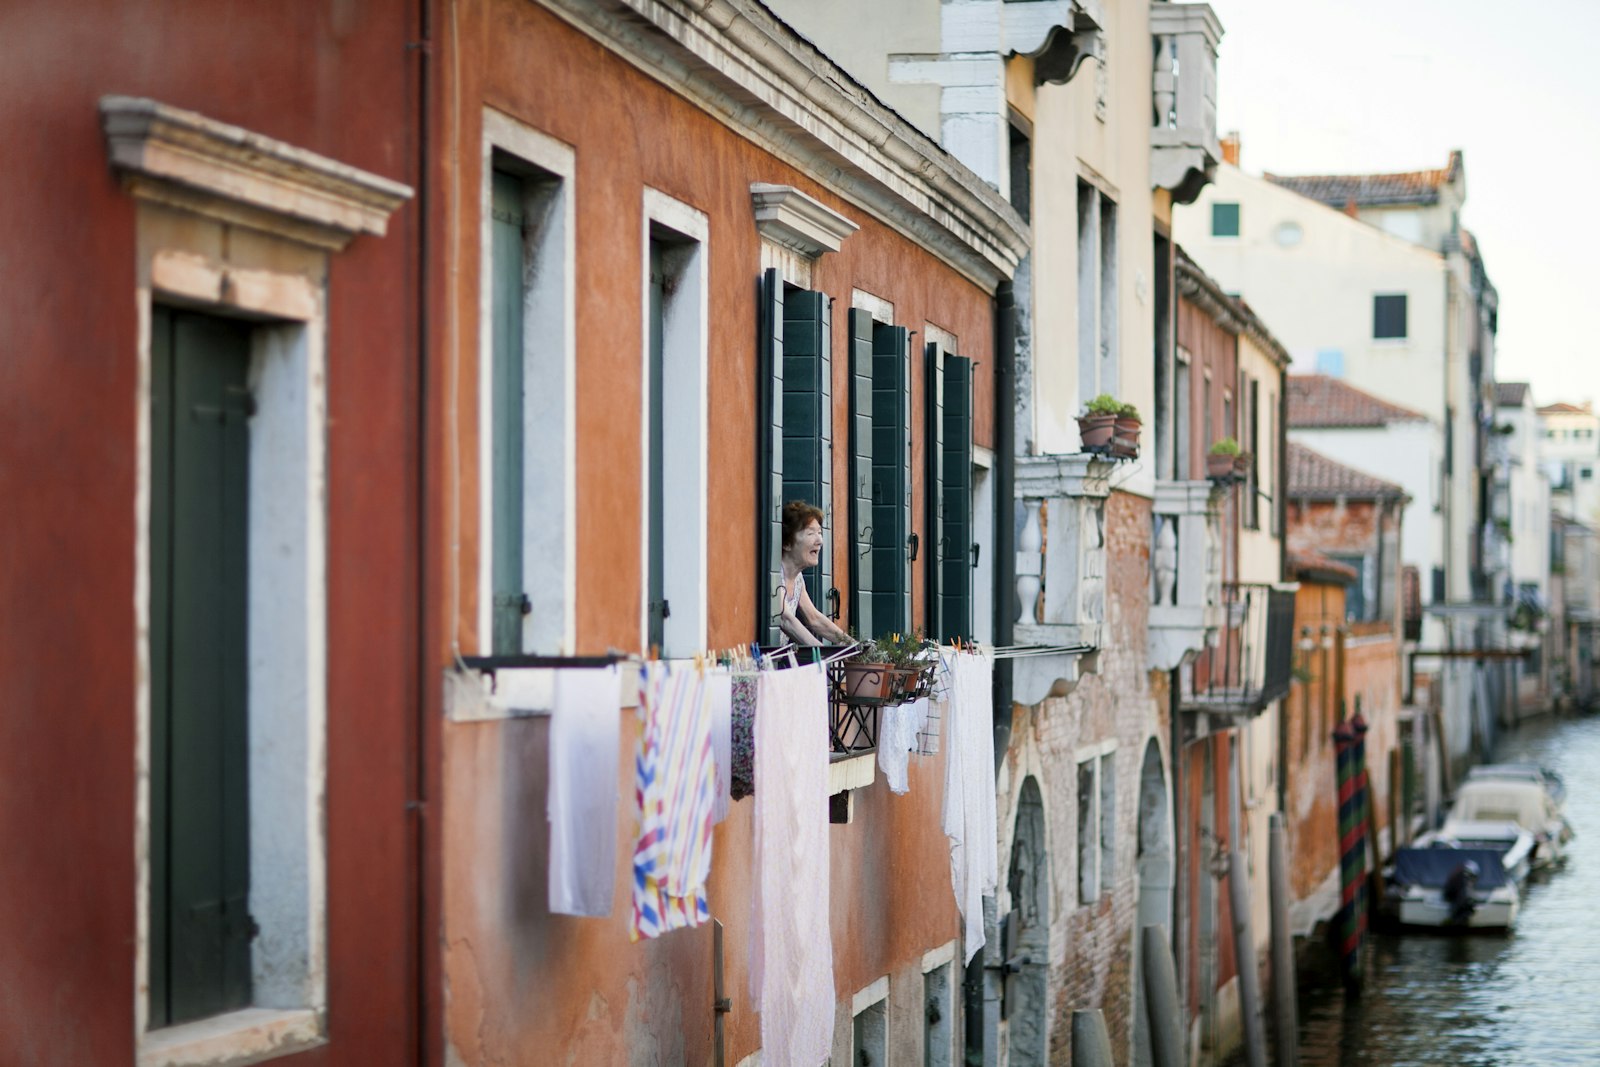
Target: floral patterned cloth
(743,764)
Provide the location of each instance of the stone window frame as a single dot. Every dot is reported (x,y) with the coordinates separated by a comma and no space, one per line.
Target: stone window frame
(240,225)
(550,517)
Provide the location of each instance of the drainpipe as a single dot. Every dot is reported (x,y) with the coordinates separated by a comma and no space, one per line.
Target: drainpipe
(1005,517)
(427,677)
(977,981)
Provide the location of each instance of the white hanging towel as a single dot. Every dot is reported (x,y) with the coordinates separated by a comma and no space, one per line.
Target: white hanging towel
(898,727)
(791,944)
(969,815)
(719,691)
(585,733)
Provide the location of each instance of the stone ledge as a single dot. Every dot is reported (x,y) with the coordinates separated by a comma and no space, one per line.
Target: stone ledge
(187,160)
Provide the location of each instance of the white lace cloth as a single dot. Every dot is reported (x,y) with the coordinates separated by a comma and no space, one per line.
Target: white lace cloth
(969,808)
(791,943)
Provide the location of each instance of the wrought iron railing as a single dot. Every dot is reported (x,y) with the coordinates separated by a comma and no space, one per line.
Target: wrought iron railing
(1250,663)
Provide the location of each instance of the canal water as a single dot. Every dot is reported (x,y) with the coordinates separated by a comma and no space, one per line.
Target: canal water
(1527,999)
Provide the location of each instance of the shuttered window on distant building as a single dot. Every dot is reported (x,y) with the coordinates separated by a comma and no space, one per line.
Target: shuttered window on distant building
(1389,316)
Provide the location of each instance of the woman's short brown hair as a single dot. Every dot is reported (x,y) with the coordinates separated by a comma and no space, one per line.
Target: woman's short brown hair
(797,515)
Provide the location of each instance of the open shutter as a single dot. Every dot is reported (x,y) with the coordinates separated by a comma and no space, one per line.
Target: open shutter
(955,552)
(506,417)
(769,458)
(860,431)
(933,495)
(808,422)
(200,788)
(891,479)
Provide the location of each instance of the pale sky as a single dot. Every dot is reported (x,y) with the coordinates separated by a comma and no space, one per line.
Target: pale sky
(1366,86)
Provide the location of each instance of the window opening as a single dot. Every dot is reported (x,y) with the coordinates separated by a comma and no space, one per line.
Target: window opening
(1224,220)
(200,925)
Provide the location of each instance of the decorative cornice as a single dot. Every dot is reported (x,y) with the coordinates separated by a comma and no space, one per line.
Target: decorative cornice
(794,220)
(751,72)
(1186,498)
(1235,316)
(184,159)
(1077,474)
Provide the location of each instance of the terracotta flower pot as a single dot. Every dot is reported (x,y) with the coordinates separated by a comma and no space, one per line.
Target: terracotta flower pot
(1097,431)
(1219,466)
(1125,440)
(868,681)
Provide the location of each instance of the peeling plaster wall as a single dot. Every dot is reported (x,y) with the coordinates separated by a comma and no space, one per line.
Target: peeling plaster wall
(1091,963)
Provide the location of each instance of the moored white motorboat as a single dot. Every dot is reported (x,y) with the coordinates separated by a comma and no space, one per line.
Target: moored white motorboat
(1524,794)
(1514,844)
(1451,888)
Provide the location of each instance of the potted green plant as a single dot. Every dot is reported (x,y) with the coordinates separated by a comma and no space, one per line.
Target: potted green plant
(1125,439)
(889,669)
(1098,424)
(1221,460)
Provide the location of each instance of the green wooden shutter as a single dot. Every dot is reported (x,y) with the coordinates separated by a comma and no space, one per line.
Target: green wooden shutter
(933,491)
(808,421)
(955,553)
(769,457)
(200,458)
(891,479)
(861,359)
(655,422)
(506,407)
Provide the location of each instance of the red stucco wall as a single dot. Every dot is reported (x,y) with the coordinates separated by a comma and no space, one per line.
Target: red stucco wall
(333,78)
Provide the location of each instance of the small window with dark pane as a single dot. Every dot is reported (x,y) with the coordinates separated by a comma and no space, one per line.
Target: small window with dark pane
(1389,316)
(1224,220)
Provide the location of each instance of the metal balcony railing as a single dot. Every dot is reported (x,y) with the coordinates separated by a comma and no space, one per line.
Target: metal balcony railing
(1248,665)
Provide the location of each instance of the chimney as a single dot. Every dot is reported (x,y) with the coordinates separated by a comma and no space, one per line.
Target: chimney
(1230,147)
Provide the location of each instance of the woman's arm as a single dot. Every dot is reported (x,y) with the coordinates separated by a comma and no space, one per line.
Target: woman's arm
(789,622)
(817,622)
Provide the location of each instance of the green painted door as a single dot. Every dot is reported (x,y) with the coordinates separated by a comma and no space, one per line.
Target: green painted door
(891,480)
(200,927)
(509,603)
(808,423)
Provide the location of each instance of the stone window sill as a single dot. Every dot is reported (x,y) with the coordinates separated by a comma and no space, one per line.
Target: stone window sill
(239,1037)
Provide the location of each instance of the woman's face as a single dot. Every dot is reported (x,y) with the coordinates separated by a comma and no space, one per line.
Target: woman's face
(807,546)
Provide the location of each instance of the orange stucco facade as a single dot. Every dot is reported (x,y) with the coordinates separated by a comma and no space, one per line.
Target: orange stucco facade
(521,985)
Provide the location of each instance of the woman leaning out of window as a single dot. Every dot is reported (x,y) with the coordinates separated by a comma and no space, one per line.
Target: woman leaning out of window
(799,619)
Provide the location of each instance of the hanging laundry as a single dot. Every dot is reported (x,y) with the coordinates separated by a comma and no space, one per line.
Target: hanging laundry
(719,691)
(969,808)
(898,730)
(585,735)
(742,766)
(675,786)
(791,943)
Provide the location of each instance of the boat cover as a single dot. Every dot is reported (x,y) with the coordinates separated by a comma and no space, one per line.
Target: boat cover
(1432,867)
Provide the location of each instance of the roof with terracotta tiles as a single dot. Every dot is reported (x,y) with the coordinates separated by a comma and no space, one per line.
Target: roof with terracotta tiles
(1565,409)
(1313,475)
(1372,190)
(1313,565)
(1317,401)
(1510,394)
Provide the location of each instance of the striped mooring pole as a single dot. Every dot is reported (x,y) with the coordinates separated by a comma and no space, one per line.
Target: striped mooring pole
(1352,920)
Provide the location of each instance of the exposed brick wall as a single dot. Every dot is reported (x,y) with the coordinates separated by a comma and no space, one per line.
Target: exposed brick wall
(1122,701)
